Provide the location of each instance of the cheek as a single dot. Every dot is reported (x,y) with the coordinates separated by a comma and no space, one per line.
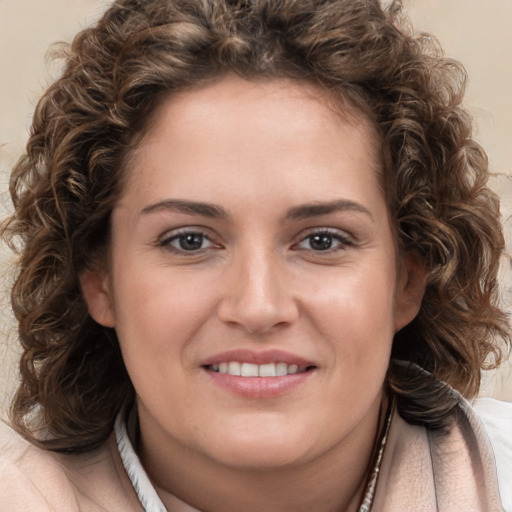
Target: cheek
(355,315)
(158,312)
(356,300)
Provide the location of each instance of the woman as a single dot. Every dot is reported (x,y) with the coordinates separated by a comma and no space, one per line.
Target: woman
(257,269)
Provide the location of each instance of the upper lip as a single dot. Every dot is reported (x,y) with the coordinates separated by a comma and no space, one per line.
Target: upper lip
(257,357)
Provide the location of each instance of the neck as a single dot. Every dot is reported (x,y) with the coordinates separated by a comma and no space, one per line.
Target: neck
(314,487)
(332,481)
(271,491)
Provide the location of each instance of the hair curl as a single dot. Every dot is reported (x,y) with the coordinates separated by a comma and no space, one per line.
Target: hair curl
(73,380)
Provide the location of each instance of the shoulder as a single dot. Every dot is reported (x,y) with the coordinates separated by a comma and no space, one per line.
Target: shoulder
(33,480)
(496,418)
(36,480)
(471,459)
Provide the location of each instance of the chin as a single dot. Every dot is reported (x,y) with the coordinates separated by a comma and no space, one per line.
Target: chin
(262,450)
(261,458)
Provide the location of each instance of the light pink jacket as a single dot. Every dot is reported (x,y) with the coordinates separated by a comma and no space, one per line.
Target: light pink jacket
(421,471)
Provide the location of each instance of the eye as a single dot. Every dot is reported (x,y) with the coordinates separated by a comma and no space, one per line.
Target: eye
(188,241)
(325,240)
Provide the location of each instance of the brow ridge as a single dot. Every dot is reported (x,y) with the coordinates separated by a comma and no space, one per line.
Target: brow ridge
(187,207)
(300,212)
(317,209)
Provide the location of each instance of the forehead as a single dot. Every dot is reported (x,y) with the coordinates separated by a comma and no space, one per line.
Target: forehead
(280,131)
(231,99)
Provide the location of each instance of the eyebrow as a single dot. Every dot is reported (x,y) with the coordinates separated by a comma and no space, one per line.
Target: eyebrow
(187,207)
(306,211)
(213,211)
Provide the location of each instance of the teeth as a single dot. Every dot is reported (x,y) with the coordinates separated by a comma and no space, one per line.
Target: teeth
(267,370)
(234,368)
(249,370)
(293,368)
(281,369)
(256,370)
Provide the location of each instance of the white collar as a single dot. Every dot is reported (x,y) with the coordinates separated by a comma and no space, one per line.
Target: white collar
(124,426)
(125,431)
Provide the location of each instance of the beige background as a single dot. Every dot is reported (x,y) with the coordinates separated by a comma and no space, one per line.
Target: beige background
(477,32)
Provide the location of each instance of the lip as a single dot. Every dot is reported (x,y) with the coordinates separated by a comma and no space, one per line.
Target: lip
(255,357)
(258,387)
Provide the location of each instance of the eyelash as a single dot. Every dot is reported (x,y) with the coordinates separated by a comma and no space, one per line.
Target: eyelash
(333,235)
(166,242)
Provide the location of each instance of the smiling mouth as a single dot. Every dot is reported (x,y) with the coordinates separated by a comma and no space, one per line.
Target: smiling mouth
(239,369)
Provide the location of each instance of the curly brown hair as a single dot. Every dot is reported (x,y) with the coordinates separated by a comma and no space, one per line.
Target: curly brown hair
(73,380)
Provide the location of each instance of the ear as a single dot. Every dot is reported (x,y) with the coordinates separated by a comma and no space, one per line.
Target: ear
(97,295)
(410,289)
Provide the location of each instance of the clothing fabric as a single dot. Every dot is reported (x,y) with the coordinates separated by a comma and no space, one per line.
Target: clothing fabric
(469,469)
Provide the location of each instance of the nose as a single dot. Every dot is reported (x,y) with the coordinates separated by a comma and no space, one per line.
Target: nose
(258,295)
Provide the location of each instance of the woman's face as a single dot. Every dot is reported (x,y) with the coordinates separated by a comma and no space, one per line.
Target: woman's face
(253,280)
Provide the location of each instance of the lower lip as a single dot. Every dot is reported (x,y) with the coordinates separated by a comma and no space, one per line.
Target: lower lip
(259,387)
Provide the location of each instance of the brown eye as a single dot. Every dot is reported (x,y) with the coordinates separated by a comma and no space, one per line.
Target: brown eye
(187,242)
(328,240)
(190,241)
(321,242)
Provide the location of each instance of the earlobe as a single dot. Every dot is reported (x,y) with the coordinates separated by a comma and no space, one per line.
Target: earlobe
(97,296)
(410,289)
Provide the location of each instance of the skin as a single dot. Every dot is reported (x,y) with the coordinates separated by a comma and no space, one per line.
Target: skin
(258,151)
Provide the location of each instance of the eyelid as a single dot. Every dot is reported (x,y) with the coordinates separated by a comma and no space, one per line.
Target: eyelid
(168,236)
(345,239)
